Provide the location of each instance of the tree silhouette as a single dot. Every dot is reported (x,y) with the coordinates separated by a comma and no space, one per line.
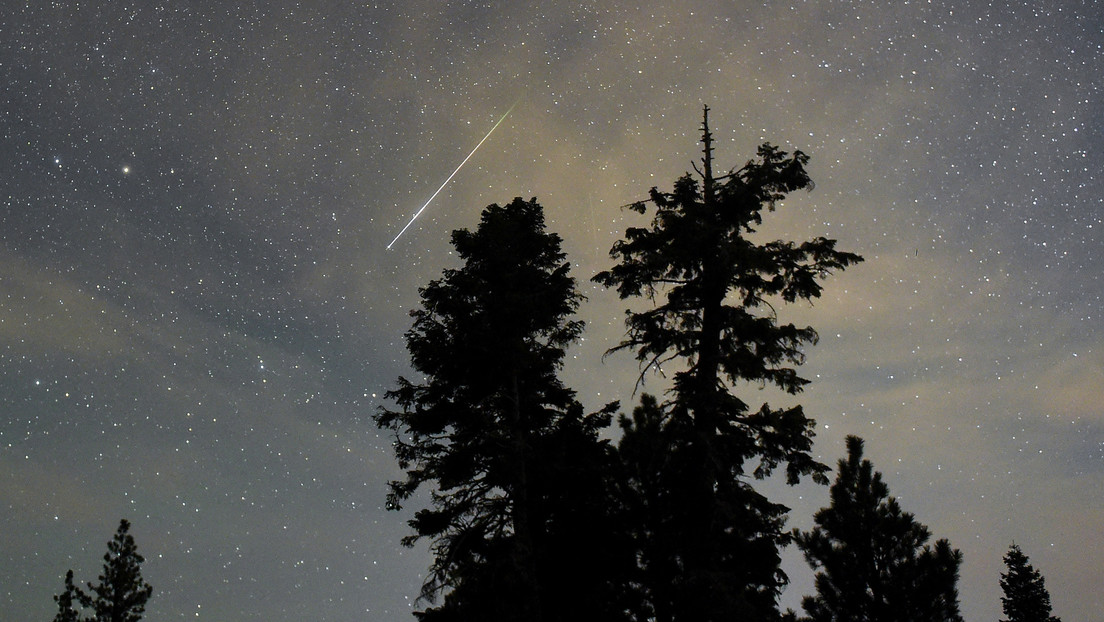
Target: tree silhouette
(873,560)
(648,499)
(121,594)
(1026,598)
(68,601)
(518,470)
(714,292)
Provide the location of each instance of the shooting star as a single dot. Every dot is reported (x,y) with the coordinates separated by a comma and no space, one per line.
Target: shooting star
(434,196)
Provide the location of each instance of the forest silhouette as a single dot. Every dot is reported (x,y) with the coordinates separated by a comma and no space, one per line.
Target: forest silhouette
(533,514)
(534,511)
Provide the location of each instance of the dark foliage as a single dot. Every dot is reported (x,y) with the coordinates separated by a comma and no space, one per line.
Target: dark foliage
(121,594)
(710,551)
(873,559)
(1026,598)
(68,601)
(741,547)
(520,478)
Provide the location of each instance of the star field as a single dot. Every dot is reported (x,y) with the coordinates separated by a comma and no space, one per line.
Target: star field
(198,314)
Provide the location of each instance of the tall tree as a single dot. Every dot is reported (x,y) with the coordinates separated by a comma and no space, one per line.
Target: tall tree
(873,559)
(1026,598)
(517,468)
(714,291)
(121,594)
(649,499)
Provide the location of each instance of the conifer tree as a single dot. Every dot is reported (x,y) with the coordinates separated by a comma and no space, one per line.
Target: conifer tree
(648,505)
(1026,598)
(714,291)
(872,559)
(68,601)
(517,470)
(121,594)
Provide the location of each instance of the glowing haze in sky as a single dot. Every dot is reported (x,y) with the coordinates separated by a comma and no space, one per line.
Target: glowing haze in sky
(199,314)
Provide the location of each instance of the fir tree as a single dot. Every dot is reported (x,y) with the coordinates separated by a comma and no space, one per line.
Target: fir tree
(518,471)
(872,559)
(1026,598)
(648,498)
(68,601)
(121,594)
(714,291)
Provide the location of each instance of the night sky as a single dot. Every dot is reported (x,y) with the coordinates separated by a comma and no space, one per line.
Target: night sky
(199,315)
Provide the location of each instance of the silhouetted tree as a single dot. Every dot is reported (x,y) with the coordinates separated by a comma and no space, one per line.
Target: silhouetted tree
(68,601)
(873,559)
(518,470)
(714,291)
(647,500)
(1026,598)
(121,594)
(584,555)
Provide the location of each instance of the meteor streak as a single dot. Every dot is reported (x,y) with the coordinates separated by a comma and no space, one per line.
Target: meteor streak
(434,196)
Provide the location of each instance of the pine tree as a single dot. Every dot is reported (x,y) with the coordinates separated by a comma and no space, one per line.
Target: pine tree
(121,594)
(648,505)
(1026,598)
(518,471)
(872,558)
(68,601)
(714,291)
